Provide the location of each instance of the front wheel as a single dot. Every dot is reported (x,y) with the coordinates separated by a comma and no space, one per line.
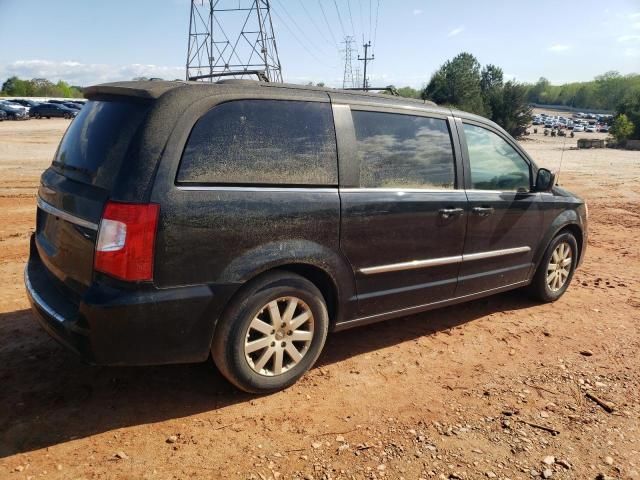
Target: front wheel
(556,269)
(272,333)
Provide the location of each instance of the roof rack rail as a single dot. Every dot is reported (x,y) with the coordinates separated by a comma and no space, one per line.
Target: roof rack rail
(262,76)
(392,90)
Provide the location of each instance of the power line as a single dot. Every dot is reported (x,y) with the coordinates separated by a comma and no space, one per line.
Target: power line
(369,19)
(344,33)
(324,38)
(375,32)
(297,39)
(327,22)
(361,19)
(304,34)
(353,30)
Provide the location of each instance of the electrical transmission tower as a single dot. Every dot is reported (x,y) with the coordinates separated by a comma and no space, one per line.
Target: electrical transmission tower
(232,38)
(348,79)
(365,59)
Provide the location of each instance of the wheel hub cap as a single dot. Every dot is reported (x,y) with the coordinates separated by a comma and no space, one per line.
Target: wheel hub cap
(559,267)
(279,336)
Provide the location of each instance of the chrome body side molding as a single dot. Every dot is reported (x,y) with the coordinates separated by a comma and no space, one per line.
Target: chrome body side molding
(433,262)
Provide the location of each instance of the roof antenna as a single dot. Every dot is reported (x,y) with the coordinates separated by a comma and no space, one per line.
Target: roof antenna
(564,141)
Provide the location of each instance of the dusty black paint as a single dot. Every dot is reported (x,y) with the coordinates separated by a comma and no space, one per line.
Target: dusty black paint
(212,241)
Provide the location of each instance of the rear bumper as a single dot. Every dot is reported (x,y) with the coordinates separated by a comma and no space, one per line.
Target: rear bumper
(118,326)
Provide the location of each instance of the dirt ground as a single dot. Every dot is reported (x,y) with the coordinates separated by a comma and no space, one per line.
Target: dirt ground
(458,393)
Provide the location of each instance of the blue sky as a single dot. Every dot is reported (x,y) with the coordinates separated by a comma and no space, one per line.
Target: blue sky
(92,41)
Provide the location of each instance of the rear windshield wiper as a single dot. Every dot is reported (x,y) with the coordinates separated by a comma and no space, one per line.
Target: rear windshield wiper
(64,166)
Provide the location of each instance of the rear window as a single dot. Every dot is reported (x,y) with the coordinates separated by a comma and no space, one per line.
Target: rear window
(272,142)
(97,140)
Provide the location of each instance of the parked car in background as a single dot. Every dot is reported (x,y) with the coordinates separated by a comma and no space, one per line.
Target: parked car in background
(603,128)
(48,110)
(591,128)
(72,105)
(26,102)
(578,128)
(245,220)
(3,115)
(14,111)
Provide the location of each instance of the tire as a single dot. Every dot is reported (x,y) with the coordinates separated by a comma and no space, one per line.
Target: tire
(546,287)
(235,332)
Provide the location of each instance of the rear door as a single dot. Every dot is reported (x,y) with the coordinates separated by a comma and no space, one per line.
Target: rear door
(403,208)
(75,188)
(505,214)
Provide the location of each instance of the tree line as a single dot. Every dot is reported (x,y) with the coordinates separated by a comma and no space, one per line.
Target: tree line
(463,83)
(38,87)
(605,92)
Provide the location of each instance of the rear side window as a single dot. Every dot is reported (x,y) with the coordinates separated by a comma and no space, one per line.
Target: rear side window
(495,165)
(403,151)
(96,142)
(271,142)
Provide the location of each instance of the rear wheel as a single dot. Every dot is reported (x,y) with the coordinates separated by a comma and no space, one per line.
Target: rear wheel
(556,269)
(272,333)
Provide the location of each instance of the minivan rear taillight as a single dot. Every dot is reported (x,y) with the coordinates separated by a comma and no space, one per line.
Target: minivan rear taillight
(126,240)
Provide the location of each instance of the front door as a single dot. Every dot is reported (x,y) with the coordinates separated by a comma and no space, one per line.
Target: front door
(505,215)
(403,223)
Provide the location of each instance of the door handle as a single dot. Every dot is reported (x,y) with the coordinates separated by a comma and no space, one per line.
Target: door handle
(482,211)
(450,212)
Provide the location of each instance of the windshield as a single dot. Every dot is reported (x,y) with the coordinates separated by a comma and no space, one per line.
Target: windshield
(96,142)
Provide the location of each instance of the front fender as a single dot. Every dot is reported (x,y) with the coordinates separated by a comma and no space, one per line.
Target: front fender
(563,220)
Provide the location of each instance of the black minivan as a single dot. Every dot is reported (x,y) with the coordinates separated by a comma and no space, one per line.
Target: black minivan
(245,220)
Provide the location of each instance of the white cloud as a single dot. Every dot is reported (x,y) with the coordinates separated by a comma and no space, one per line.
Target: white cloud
(558,47)
(456,31)
(629,38)
(631,52)
(417,11)
(84,74)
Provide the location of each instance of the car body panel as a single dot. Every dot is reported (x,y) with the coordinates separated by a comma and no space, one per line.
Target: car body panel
(212,239)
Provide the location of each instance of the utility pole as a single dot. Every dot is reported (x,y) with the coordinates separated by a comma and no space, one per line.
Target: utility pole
(232,38)
(348,80)
(365,80)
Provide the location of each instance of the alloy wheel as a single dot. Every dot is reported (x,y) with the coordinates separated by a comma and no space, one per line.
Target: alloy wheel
(279,336)
(559,266)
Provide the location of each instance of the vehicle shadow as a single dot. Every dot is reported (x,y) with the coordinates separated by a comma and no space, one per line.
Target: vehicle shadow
(49,396)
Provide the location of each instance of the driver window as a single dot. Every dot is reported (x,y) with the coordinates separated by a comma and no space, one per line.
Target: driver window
(495,165)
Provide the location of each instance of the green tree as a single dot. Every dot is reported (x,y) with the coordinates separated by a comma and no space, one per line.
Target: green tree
(14,87)
(622,128)
(491,78)
(630,107)
(536,91)
(510,108)
(457,83)
(611,88)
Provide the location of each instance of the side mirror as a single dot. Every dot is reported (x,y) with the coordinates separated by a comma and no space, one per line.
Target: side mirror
(545,180)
